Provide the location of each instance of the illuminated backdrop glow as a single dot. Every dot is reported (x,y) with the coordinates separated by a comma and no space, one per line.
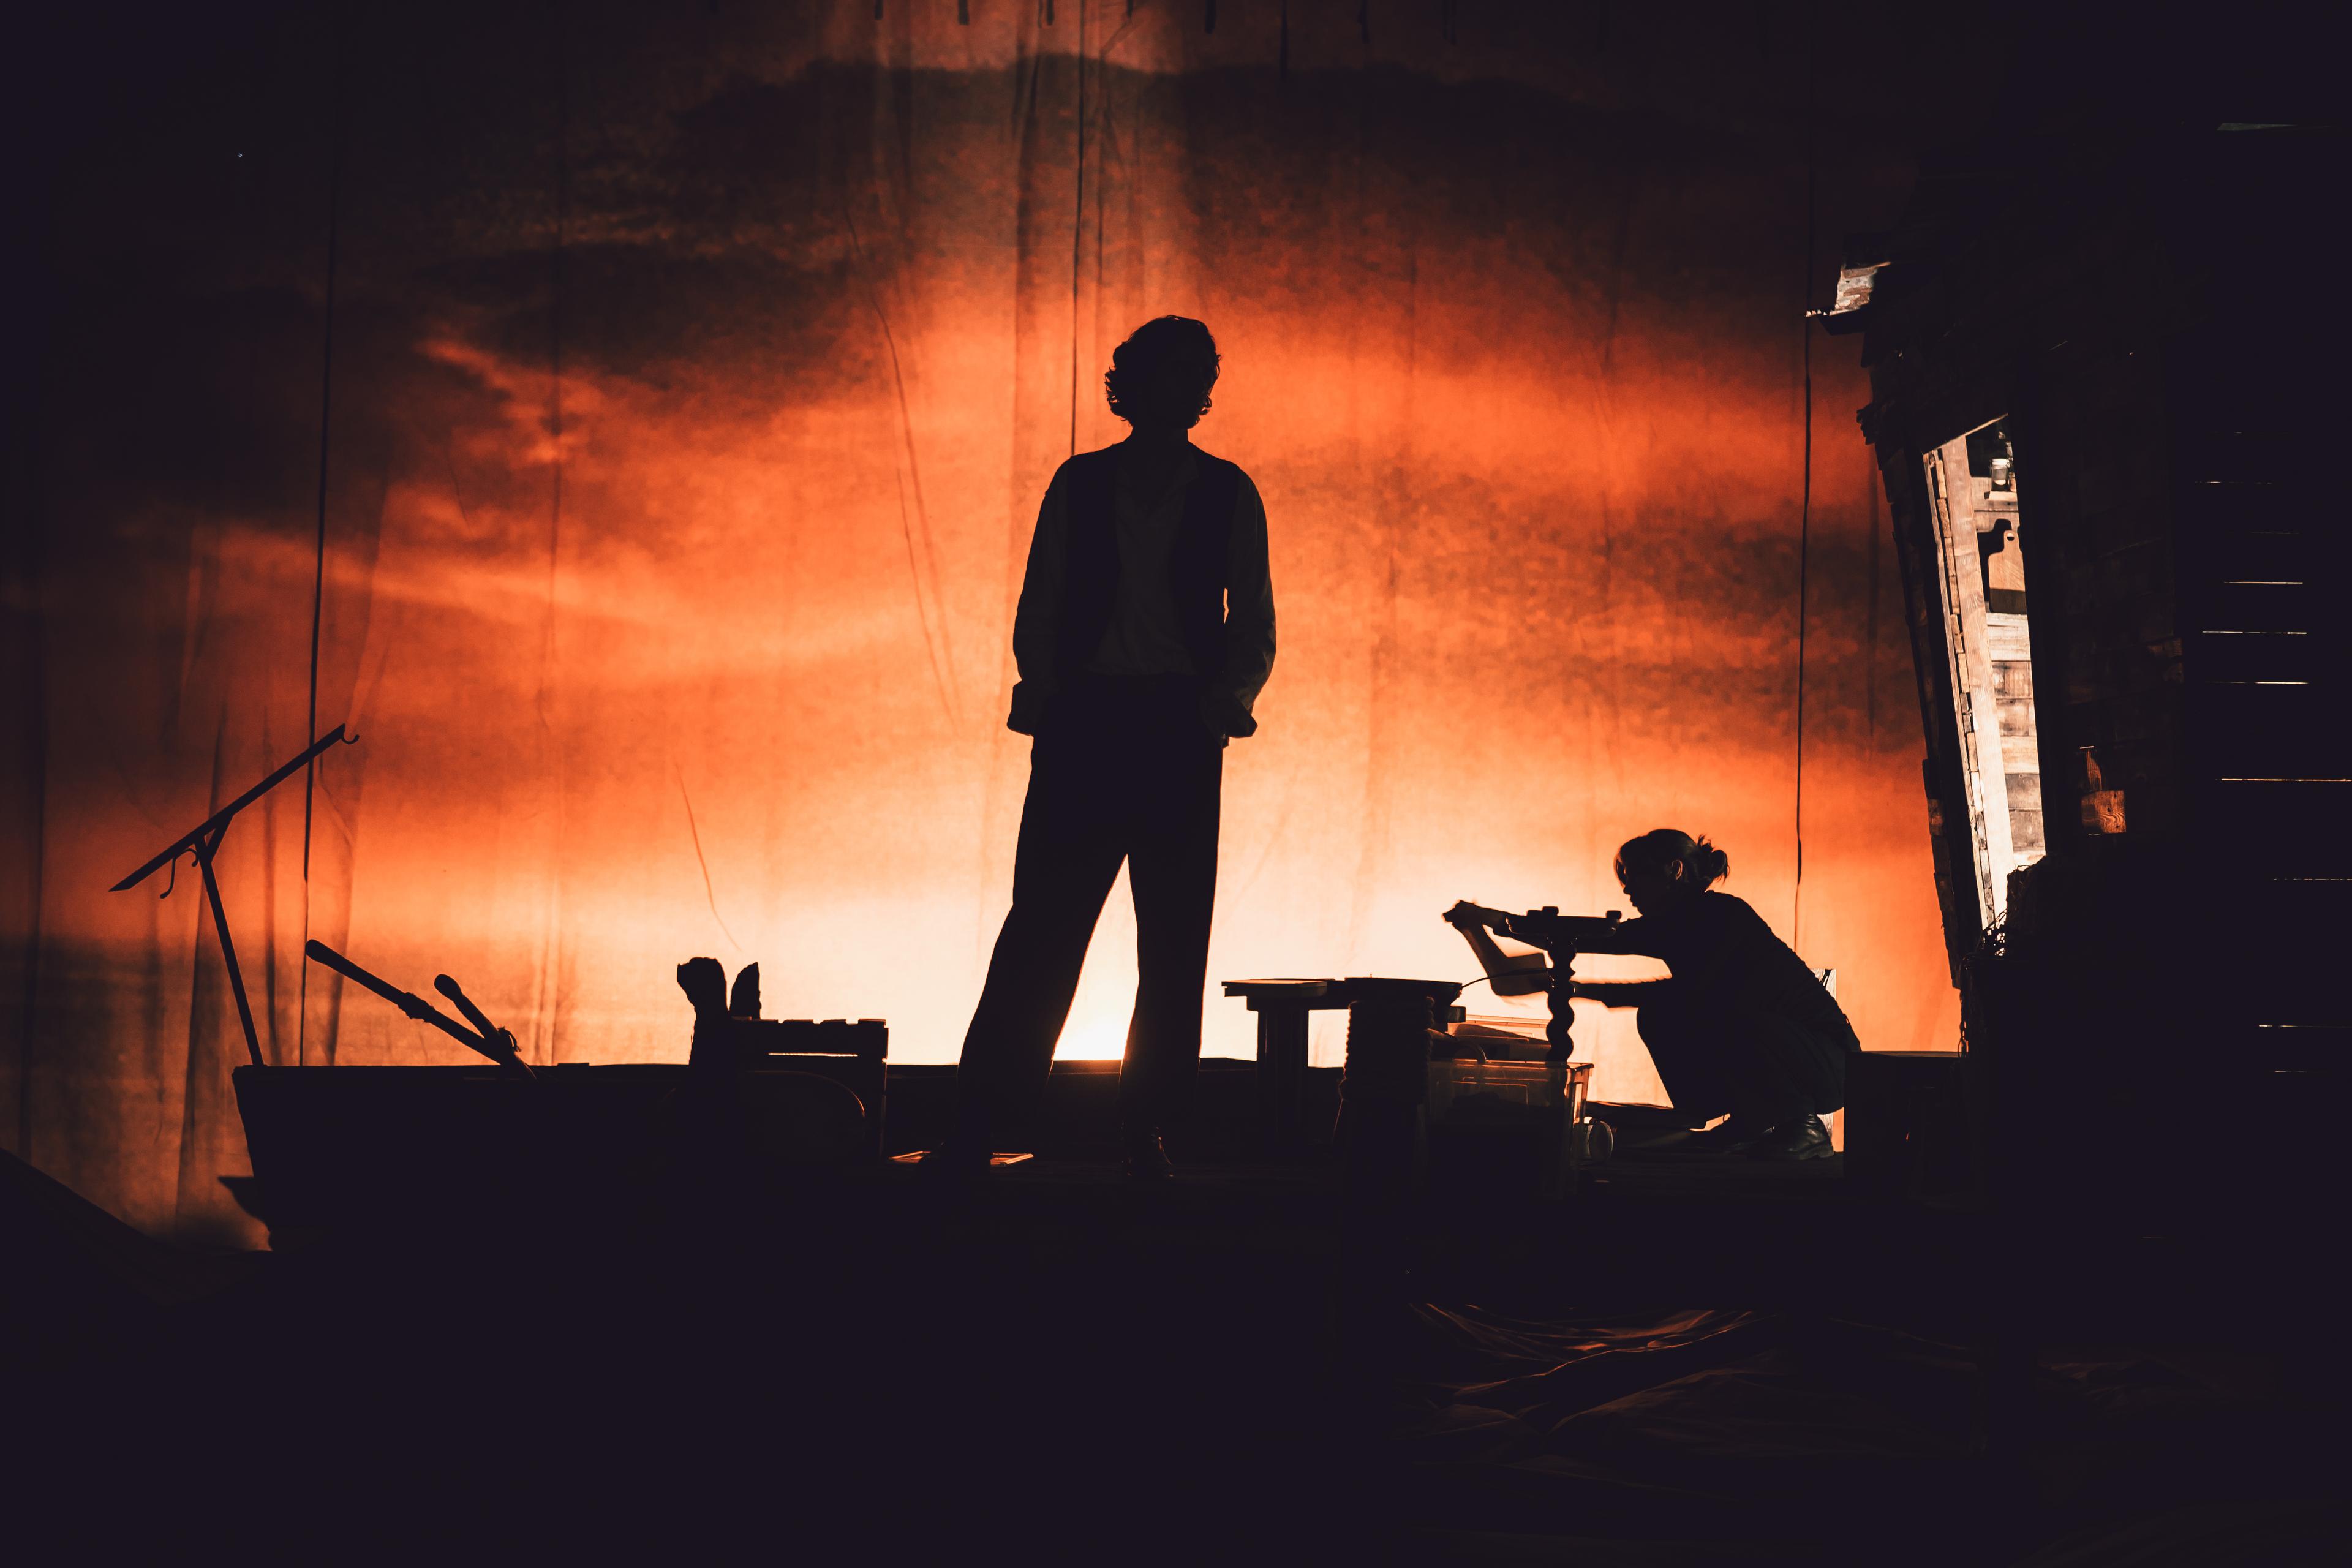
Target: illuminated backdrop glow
(695,378)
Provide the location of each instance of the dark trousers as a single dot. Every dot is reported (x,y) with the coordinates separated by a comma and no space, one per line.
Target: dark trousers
(1770,1071)
(1121,770)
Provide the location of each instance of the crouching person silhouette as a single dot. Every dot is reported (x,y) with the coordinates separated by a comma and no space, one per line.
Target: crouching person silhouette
(1144,635)
(1741,1026)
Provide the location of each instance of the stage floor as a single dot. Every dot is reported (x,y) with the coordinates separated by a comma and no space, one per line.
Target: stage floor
(1239,1366)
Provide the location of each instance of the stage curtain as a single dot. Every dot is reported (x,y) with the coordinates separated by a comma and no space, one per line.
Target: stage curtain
(694,375)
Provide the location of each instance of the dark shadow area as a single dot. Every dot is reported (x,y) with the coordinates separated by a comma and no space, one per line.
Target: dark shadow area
(1244,1360)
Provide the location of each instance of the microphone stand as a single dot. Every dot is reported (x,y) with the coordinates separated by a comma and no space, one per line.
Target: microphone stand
(1560,938)
(493,1042)
(204,842)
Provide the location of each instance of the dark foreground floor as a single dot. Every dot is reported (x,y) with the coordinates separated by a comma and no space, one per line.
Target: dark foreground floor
(1054,1367)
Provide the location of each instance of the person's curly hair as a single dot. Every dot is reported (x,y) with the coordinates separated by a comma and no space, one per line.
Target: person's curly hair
(1172,358)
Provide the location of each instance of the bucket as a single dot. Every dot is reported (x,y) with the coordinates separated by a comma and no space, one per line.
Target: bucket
(1500,1129)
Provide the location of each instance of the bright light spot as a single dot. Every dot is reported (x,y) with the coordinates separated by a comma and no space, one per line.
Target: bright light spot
(1092,1044)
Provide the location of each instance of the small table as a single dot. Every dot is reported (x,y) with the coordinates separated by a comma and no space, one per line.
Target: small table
(1282,1006)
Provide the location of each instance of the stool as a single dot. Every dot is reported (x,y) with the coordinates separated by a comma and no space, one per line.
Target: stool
(1282,1006)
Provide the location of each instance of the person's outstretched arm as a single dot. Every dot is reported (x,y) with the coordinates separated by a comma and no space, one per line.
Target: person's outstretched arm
(1037,623)
(1634,936)
(1249,618)
(1617,993)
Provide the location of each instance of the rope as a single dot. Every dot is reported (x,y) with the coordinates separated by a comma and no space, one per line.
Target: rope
(319,565)
(1805,502)
(545,1004)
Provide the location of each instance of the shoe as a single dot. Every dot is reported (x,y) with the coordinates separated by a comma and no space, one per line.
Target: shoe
(1807,1138)
(1730,1136)
(1147,1159)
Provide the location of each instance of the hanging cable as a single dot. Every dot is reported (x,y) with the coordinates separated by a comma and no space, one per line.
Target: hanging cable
(1805,496)
(1077,231)
(318,563)
(548,996)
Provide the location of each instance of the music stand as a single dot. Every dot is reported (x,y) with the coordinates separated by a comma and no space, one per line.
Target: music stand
(204,842)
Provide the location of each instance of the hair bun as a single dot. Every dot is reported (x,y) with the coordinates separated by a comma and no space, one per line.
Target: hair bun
(1703,864)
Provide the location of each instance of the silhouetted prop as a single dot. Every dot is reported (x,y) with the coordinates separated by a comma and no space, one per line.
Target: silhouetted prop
(1510,1128)
(493,1042)
(2211,679)
(849,1059)
(204,842)
(1382,1132)
(1386,1118)
(1282,1006)
(1561,936)
(705,985)
(474,1015)
(1514,975)
(1388,1034)
(743,1000)
(851,1053)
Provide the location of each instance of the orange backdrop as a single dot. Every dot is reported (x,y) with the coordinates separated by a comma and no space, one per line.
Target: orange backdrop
(694,380)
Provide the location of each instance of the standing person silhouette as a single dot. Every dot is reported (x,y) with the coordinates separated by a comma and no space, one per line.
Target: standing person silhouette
(1144,635)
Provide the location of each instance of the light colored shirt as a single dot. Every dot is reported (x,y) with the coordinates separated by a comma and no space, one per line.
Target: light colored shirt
(1145,635)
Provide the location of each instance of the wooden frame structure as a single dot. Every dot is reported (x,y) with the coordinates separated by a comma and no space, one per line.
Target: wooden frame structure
(2134,308)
